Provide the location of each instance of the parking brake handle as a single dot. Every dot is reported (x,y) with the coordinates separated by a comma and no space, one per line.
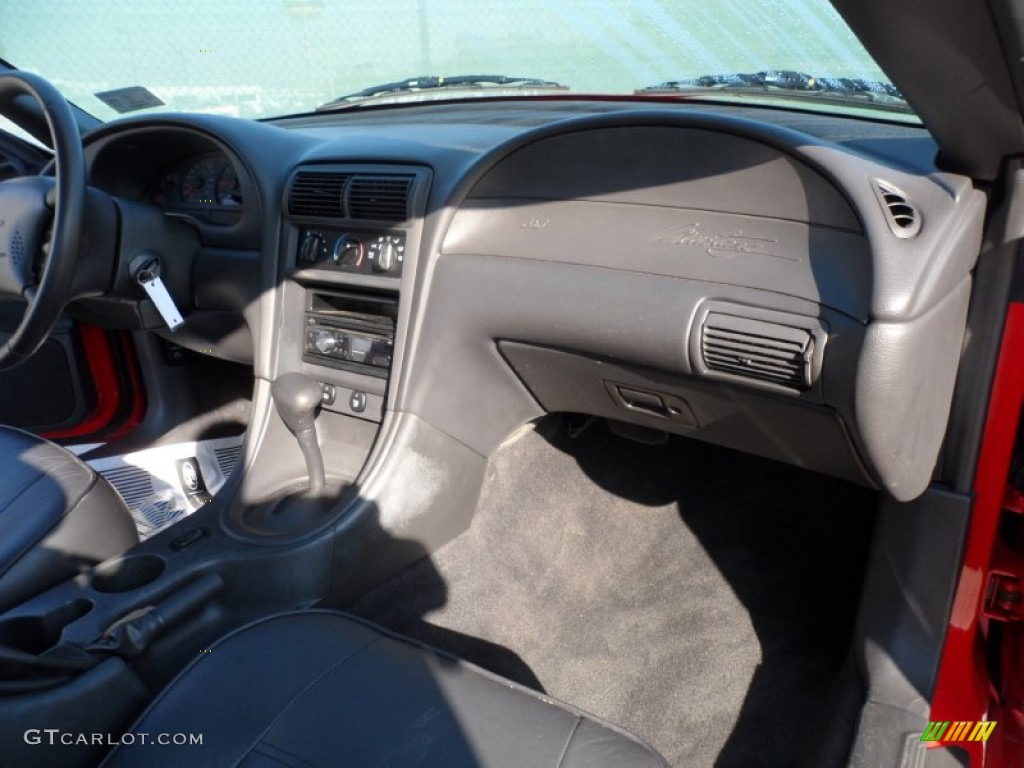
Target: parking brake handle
(132,634)
(25,670)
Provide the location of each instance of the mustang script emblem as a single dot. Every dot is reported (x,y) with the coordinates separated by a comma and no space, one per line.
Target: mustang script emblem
(719,246)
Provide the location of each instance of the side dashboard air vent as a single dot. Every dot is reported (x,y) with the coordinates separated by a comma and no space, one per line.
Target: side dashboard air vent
(318,193)
(758,350)
(379,198)
(902,217)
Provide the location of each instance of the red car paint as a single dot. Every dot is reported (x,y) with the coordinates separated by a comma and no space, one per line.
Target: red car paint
(963,690)
(109,395)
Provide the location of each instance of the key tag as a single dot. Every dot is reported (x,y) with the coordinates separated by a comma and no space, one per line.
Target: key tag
(145,268)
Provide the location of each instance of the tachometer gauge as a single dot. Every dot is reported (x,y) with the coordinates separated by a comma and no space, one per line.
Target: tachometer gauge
(199,184)
(228,192)
(164,191)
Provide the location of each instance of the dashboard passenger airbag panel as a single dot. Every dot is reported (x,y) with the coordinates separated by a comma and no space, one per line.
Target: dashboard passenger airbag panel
(820,264)
(596,248)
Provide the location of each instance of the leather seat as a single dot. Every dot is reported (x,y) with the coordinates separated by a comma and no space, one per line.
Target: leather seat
(319,688)
(57,516)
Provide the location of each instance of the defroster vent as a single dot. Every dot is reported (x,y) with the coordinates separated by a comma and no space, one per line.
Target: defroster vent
(758,350)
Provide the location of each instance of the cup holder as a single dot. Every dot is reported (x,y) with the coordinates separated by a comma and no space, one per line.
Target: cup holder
(127,573)
(36,634)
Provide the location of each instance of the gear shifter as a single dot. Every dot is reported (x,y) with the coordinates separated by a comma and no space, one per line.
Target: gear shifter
(297,398)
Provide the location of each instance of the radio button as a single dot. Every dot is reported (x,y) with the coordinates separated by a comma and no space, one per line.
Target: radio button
(324,341)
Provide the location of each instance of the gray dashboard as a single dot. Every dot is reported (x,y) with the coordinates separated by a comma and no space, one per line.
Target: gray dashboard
(697,271)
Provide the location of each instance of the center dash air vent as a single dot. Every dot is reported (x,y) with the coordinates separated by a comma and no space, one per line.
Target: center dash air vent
(318,193)
(902,217)
(758,350)
(379,198)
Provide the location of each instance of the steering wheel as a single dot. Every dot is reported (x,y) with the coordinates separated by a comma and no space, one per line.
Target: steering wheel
(28,206)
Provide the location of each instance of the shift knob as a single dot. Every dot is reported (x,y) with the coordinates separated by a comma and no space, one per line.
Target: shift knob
(297,397)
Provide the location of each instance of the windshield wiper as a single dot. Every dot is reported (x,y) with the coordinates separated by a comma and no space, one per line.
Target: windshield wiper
(799,84)
(436,82)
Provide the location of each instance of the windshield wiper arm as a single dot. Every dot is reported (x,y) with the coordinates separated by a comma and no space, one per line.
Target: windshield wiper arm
(783,80)
(434,82)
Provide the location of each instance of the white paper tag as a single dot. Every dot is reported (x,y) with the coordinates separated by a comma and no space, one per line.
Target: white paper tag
(163,302)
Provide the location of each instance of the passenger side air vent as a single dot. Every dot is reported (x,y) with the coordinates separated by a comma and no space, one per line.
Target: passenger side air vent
(318,193)
(758,350)
(379,198)
(902,217)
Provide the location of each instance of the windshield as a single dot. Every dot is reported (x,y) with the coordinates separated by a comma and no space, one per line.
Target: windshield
(262,58)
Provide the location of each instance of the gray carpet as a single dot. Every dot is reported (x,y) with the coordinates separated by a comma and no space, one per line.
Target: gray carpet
(700,598)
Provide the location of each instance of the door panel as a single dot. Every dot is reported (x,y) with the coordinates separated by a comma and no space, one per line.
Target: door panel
(50,390)
(82,386)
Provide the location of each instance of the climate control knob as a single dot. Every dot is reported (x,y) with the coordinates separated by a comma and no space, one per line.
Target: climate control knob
(325,342)
(311,249)
(387,257)
(348,252)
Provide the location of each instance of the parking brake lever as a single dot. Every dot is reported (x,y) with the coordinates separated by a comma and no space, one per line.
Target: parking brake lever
(132,634)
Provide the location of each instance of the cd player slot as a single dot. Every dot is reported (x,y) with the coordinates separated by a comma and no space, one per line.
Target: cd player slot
(353,304)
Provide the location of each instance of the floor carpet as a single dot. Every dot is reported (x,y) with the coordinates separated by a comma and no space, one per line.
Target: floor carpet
(700,598)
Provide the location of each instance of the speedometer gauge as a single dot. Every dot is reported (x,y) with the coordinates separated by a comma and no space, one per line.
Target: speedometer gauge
(228,192)
(199,184)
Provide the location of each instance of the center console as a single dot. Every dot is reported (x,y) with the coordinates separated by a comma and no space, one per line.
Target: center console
(347,257)
(352,233)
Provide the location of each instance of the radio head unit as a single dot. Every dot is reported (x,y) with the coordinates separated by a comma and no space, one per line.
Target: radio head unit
(349,331)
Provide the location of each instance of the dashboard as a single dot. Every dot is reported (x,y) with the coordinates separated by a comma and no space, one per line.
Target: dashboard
(786,284)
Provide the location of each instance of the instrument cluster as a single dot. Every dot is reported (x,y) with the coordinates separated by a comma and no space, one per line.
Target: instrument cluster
(205,187)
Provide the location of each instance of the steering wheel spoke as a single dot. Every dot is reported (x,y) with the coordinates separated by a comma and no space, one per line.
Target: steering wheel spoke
(29,208)
(23,222)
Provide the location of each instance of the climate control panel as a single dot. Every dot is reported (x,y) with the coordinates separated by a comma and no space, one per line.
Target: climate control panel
(380,253)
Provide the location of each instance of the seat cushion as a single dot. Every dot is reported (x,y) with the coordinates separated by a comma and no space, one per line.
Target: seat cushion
(319,688)
(57,516)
